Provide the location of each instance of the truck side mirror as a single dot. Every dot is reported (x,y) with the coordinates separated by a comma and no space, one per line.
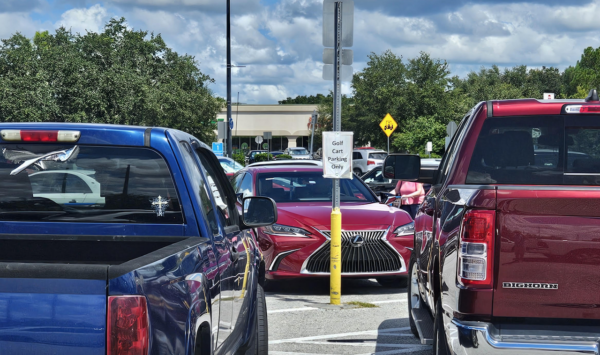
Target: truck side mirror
(402,167)
(259,211)
(408,168)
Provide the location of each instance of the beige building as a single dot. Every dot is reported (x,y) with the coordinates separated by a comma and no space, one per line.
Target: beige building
(289,125)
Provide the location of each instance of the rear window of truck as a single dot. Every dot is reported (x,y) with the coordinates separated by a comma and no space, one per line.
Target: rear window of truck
(535,150)
(93,184)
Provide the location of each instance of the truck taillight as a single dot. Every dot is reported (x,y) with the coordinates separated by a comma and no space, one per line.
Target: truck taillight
(370,162)
(582,109)
(15,135)
(476,251)
(127,326)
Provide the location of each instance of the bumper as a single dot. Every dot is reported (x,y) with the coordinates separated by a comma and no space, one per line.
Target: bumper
(280,275)
(467,338)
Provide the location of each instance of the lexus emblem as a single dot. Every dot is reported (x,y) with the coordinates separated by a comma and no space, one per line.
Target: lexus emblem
(357,241)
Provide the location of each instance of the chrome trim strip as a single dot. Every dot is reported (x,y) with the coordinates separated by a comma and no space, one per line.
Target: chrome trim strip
(383,238)
(281,256)
(483,329)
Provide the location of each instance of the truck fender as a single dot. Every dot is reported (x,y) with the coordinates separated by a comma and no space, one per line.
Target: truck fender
(199,318)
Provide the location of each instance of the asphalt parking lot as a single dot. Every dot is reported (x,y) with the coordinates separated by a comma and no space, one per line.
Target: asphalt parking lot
(299,325)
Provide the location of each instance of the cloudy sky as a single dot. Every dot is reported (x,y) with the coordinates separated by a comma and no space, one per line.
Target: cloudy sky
(280,41)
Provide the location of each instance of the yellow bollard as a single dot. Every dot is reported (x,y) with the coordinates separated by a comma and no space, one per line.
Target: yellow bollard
(335,283)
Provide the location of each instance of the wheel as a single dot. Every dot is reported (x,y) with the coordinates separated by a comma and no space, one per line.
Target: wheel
(357,172)
(440,345)
(414,297)
(259,345)
(396,281)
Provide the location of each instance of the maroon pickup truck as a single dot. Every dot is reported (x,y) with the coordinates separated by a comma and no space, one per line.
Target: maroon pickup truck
(506,255)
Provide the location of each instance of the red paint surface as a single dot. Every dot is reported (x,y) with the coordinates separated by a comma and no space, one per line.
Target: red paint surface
(315,217)
(549,237)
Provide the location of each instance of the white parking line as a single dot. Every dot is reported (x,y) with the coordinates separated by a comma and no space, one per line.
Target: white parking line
(340,335)
(389,301)
(321,340)
(292,310)
(314,309)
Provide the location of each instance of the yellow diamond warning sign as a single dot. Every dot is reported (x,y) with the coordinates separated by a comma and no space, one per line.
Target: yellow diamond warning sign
(388,125)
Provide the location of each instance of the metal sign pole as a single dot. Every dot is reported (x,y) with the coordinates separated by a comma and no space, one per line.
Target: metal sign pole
(335,282)
(388,144)
(228,140)
(312,139)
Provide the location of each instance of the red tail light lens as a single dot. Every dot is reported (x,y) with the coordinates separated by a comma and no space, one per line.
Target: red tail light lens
(39,136)
(370,162)
(127,326)
(476,254)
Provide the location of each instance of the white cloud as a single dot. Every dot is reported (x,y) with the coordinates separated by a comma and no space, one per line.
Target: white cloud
(10,23)
(80,20)
(280,44)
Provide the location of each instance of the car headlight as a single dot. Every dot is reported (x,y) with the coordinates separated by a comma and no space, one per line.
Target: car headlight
(407,229)
(286,231)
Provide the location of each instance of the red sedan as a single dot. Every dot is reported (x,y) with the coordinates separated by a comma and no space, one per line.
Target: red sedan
(376,239)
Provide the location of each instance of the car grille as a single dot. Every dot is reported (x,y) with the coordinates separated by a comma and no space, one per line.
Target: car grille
(373,256)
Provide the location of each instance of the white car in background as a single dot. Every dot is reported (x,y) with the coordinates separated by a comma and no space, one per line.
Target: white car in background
(67,187)
(364,160)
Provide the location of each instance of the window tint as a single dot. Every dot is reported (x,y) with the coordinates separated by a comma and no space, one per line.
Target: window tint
(309,187)
(376,176)
(47,182)
(225,207)
(98,184)
(537,150)
(75,184)
(583,150)
(246,186)
(450,154)
(235,182)
(378,156)
(356,155)
(298,151)
(199,187)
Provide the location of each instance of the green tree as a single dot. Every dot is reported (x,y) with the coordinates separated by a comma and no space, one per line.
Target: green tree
(417,93)
(306,100)
(118,76)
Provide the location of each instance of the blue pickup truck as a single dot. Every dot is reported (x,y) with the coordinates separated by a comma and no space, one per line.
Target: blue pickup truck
(125,240)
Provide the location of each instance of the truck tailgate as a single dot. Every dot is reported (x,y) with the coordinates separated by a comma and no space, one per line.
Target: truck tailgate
(549,257)
(52,309)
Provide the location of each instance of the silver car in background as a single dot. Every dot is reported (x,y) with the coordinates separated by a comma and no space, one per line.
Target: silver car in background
(298,153)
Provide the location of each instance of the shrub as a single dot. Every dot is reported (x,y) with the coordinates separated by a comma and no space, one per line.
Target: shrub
(284,157)
(240,158)
(262,157)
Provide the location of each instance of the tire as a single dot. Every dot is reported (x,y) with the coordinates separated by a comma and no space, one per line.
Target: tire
(392,282)
(440,344)
(259,344)
(262,328)
(414,296)
(357,172)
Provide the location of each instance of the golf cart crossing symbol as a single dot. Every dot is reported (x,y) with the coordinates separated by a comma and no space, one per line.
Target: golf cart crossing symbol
(388,125)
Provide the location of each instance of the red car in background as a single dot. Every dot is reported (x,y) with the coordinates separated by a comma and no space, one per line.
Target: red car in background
(376,239)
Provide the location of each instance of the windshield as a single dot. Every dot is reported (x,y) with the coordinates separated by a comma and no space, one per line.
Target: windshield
(379,156)
(309,187)
(298,152)
(98,185)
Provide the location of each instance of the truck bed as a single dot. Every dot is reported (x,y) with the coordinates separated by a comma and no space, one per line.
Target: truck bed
(83,257)
(78,250)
